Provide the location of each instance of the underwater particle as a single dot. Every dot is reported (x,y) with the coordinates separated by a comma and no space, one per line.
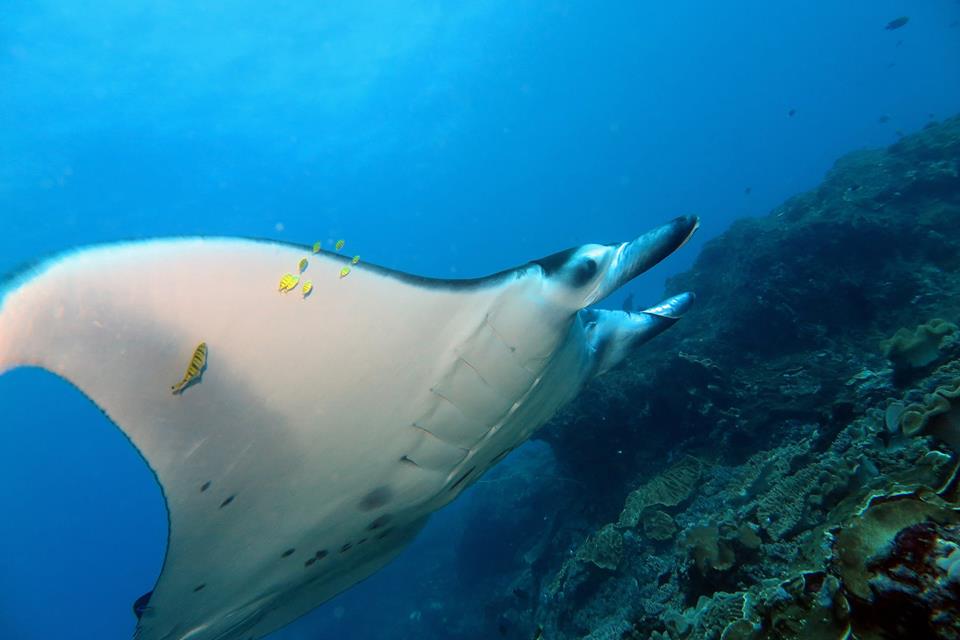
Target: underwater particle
(896,23)
(302,265)
(339,245)
(316,247)
(748,191)
(792,112)
(344,272)
(355,260)
(883,119)
(194,370)
(307,288)
(288,282)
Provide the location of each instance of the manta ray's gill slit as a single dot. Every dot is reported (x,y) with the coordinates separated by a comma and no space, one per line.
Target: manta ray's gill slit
(493,329)
(475,370)
(383,534)
(408,460)
(346,547)
(199,587)
(287,553)
(227,501)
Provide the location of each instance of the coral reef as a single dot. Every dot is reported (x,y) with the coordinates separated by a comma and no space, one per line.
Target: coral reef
(802,480)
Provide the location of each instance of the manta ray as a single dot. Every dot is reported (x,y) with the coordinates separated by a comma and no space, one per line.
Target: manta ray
(313,434)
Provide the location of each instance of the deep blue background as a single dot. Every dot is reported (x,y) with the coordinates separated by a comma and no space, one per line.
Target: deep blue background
(447,139)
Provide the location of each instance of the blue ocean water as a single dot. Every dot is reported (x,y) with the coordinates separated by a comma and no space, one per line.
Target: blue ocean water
(445,139)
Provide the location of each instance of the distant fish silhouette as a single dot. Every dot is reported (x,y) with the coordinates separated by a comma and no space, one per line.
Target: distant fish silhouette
(884,119)
(792,112)
(748,191)
(897,23)
(628,303)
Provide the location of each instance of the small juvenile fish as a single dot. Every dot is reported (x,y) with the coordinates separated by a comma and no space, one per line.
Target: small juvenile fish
(288,282)
(316,247)
(302,265)
(197,364)
(307,288)
(355,260)
(897,23)
(339,245)
(344,272)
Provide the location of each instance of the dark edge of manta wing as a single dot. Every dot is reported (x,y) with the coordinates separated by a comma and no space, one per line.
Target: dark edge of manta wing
(20,274)
(420,281)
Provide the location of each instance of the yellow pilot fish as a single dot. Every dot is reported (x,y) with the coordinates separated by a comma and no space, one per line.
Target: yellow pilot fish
(316,247)
(339,245)
(288,282)
(302,265)
(344,272)
(197,364)
(355,260)
(307,288)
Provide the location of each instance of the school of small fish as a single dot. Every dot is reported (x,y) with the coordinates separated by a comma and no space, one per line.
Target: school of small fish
(289,281)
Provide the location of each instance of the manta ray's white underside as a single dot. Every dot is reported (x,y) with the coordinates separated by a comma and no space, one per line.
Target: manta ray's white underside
(323,430)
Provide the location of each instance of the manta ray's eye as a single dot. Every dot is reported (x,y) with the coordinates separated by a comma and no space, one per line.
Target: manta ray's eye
(584,271)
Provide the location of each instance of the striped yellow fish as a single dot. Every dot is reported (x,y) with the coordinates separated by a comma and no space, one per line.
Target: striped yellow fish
(355,260)
(344,272)
(302,265)
(288,282)
(316,247)
(197,364)
(339,245)
(307,288)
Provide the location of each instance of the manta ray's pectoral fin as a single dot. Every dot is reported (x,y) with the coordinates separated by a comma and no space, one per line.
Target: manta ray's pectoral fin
(612,335)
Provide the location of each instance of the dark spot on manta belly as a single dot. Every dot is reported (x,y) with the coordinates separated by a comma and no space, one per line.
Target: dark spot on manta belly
(309,562)
(199,587)
(384,534)
(287,553)
(205,486)
(227,501)
(323,553)
(380,522)
(376,498)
